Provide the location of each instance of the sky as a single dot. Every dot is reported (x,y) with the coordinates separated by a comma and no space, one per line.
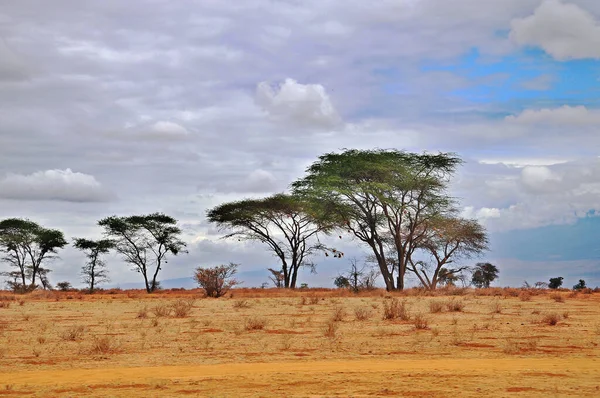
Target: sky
(110,107)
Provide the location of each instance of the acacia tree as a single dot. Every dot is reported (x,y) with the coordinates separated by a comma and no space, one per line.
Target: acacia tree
(447,240)
(26,246)
(288,225)
(484,274)
(384,198)
(144,242)
(94,271)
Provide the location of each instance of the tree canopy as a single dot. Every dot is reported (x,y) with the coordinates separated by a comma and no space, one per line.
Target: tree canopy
(289,225)
(144,242)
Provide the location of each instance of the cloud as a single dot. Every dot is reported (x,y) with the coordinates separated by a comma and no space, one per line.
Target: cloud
(305,104)
(565,115)
(165,130)
(59,185)
(12,66)
(565,31)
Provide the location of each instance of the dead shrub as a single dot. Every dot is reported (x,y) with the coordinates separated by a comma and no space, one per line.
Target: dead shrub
(557,297)
(393,309)
(21,302)
(142,312)
(217,281)
(496,308)
(102,345)
(73,333)
(241,304)
(420,322)
(338,313)
(330,329)
(436,306)
(455,305)
(4,304)
(565,315)
(314,300)
(255,323)
(161,310)
(182,308)
(303,300)
(362,314)
(551,319)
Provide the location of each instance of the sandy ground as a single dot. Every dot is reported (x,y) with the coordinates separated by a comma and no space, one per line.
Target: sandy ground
(313,345)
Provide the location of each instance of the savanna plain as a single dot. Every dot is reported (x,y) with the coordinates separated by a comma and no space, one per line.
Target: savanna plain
(306,343)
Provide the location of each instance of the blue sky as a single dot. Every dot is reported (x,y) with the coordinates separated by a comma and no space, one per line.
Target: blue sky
(184,105)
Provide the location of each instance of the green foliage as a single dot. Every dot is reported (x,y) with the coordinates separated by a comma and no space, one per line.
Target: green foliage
(64,286)
(25,246)
(484,274)
(289,225)
(144,242)
(385,198)
(94,271)
(580,285)
(341,282)
(555,283)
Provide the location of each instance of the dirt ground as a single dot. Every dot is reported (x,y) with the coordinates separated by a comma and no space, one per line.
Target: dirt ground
(310,343)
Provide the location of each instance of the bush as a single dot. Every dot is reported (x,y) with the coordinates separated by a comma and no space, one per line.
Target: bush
(73,333)
(436,306)
(216,281)
(64,286)
(161,310)
(338,314)
(393,309)
(420,322)
(580,285)
(362,314)
(182,308)
(557,297)
(455,306)
(551,319)
(555,283)
(255,323)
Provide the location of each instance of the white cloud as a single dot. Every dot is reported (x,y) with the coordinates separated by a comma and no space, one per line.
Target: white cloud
(304,104)
(167,130)
(539,179)
(565,31)
(565,115)
(59,185)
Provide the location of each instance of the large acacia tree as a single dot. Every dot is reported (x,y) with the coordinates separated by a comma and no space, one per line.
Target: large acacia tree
(288,225)
(144,242)
(385,198)
(26,245)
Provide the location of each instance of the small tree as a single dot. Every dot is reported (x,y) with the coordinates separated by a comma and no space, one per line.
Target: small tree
(357,278)
(94,271)
(555,283)
(64,286)
(277,278)
(341,282)
(216,281)
(484,274)
(580,285)
(144,242)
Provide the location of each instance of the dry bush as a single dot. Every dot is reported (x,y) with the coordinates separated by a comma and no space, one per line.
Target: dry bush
(496,308)
(535,312)
(525,296)
(314,300)
(393,309)
(362,314)
(455,305)
(255,323)
(217,281)
(551,319)
(511,292)
(566,314)
(557,297)
(161,310)
(420,322)
(41,339)
(73,333)
(338,313)
(142,312)
(436,306)
(182,308)
(303,300)
(330,329)
(21,302)
(4,304)
(241,304)
(103,345)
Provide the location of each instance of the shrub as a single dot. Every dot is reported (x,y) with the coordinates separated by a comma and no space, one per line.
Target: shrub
(525,296)
(142,312)
(216,281)
(420,322)
(551,319)
(64,286)
(580,285)
(314,300)
(161,310)
(497,308)
(338,314)
(393,309)
(182,308)
(455,306)
(255,323)
(4,304)
(362,314)
(330,329)
(73,333)
(102,345)
(436,306)
(241,304)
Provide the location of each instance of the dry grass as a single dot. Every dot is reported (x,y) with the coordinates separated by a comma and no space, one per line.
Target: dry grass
(161,310)
(550,319)
(4,304)
(339,313)
(239,304)
(436,306)
(362,313)
(73,333)
(395,309)
(559,298)
(455,305)
(420,322)
(182,308)
(255,323)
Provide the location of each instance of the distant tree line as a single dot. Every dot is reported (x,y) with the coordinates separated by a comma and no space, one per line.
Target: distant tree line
(395,203)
